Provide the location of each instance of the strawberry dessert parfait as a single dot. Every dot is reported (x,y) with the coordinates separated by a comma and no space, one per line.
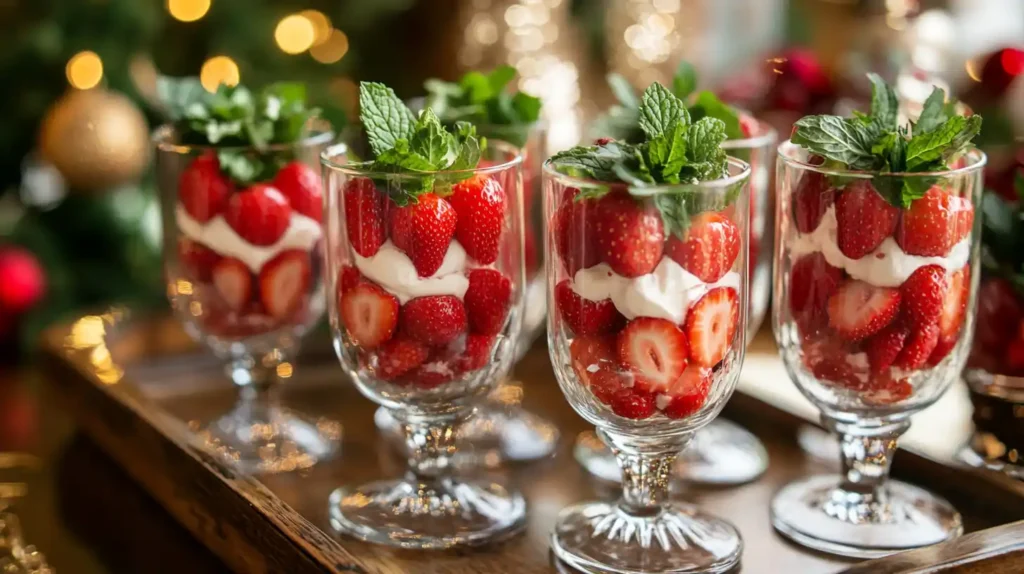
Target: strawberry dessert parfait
(243,237)
(723,452)
(874,283)
(647,286)
(425,261)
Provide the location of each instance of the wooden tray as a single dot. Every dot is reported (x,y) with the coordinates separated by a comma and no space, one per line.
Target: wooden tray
(134,385)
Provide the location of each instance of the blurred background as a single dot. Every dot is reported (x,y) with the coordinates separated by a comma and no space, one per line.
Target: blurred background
(79,221)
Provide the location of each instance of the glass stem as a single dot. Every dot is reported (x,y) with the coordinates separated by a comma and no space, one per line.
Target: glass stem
(866,453)
(431,444)
(646,469)
(257,378)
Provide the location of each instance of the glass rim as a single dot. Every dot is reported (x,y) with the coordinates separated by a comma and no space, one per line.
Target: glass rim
(341,148)
(321,133)
(753,142)
(725,182)
(786,147)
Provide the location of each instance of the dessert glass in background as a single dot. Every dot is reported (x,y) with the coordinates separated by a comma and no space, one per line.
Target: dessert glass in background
(426,343)
(616,290)
(873,315)
(242,266)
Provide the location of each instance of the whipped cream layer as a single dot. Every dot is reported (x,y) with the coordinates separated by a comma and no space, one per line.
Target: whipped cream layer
(886,266)
(666,293)
(394,271)
(302,234)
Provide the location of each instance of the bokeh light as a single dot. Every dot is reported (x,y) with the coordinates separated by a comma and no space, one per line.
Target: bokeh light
(84,70)
(294,34)
(321,25)
(188,10)
(332,50)
(219,70)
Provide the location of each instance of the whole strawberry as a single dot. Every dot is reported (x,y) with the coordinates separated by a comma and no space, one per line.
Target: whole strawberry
(260,214)
(424,230)
(935,223)
(865,219)
(366,211)
(300,185)
(629,236)
(487,299)
(479,203)
(434,320)
(202,189)
(711,246)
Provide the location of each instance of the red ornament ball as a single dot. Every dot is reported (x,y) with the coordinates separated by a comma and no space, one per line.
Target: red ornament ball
(22,281)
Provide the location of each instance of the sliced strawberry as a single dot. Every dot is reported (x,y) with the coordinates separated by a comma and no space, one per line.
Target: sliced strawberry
(711,326)
(477,353)
(865,219)
(826,357)
(688,393)
(300,185)
(934,223)
(883,347)
(259,215)
(366,211)
(424,230)
(197,259)
(654,350)
(399,356)
(999,313)
(923,295)
(487,301)
(573,231)
(886,390)
(942,348)
(284,282)
(954,303)
(479,203)
(349,277)
(434,320)
(593,353)
(919,346)
(858,309)
(233,282)
(586,317)
(433,374)
(630,404)
(607,384)
(812,198)
(202,189)
(369,314)
(711,246)
(629,235)
(812,281)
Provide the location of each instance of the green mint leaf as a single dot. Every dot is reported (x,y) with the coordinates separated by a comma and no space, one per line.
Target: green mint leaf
(893,148)
(527,108)
(845,140)
(259,131)
(217,132)
(884,103)
(633,168)
(618,123)
(999,229)
(915,188)
(469,152)
(704,140)
(476,87)
(666,153)
(943,142)
(933,113)
(384,116)
(499,78)
(177,95)
(708,105)
(432,142)
(675,213)
(623,91)
(241,167)
(684,82)
(593,162)
(660,109)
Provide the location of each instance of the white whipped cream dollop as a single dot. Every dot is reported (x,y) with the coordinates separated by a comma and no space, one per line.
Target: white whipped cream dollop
(887,266)
(666,293)
(395,272)
(302,234)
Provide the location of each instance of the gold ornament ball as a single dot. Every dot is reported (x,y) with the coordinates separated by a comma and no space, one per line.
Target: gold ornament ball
(97,139)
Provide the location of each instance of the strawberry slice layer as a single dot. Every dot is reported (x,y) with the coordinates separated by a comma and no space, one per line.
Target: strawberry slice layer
(369,314)
(586,317)
(233,282)
(711,326)
(687,394)
(654,350)
(284,282)
(592,354)
(858,309)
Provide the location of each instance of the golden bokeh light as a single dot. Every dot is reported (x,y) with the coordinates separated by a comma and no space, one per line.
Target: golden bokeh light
(321,25)
(188,10)
(294,34)
(332,50)
(219,70)
(84,70)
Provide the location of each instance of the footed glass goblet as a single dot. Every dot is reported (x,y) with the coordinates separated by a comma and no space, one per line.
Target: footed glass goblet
(649,352)
(873,315)
(426,286)
(242,266)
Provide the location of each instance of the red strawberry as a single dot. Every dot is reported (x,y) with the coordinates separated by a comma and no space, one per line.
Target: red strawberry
(812,198)
(858,309)
(574,235)
(284,282)
(603,141)
(399,356)
(711,326)
(197,259)
(629,235)
(369,314)
(954,303)
(348,278)
(999,312)
(865,219)
(477,353)
(487,300)
(424,230)
(586,317)
(434,320)
(631,404)
(1014,357)
(365,216)
(918,348)
(592,354)
(479,203)
(826,359)
(883,347)
(606,384)
(260,214)
(712,244)
(202,189)
(300,185)
(934,223)
(433,373)
(688,393)
(942,348)
(655,350)
(923,295)
(748,125)
(887,390)
(812,281)
(233,281)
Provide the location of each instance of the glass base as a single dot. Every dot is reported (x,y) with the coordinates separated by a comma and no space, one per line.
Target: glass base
(427,515)
(495,434)
(270,440)
(722,453)
(805,512)
(601,538)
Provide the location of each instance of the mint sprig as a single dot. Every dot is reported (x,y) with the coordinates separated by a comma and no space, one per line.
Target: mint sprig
(876,142)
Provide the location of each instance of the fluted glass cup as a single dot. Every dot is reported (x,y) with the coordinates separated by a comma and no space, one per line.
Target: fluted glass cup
(426,340)
(648,353)
(873,314)
(723,453)
(243,275)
